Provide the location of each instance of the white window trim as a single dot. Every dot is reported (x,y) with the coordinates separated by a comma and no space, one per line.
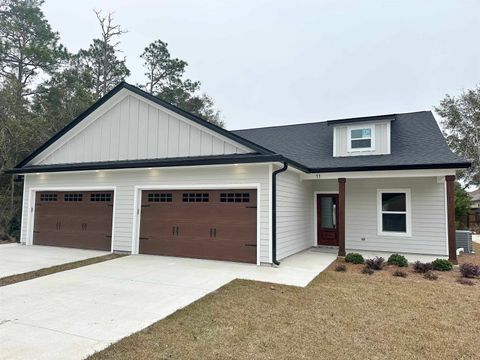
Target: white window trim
(408,214)
(358,127)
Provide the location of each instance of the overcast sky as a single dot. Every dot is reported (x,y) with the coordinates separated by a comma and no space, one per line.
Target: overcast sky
(283,62)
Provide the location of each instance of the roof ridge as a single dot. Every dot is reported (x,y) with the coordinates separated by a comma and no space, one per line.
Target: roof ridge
(340,119)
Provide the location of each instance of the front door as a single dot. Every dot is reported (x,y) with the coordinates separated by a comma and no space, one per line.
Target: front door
(327,215)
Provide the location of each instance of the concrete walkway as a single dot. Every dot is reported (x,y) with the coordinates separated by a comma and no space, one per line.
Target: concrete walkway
(71,314)
(18,259)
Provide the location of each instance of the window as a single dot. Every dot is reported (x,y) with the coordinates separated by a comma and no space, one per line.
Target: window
(160,197)
(361,139)
(48,197)
(394,212)
(101,197)
(195,197)
(235,197)
(72,197)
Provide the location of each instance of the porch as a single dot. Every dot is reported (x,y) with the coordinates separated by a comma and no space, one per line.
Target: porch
(376,213)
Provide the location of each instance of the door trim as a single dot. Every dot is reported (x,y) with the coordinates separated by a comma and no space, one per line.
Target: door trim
(138,205)
(32,199)
(315,220)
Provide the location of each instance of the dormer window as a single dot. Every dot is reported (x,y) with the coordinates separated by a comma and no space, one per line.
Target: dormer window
(361,138)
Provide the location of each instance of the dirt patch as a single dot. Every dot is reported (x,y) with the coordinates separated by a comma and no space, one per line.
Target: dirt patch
(12,279)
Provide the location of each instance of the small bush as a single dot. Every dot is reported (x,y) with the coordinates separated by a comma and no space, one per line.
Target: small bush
(442,265)
(367,270)
(470,270)
(14,228)
(354,258)
(422,268)
(465,282)
(377,263)
(397,259)
(400,273)
(340,268)
(430,275)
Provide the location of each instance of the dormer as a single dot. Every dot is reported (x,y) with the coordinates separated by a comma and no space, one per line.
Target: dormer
(361,136)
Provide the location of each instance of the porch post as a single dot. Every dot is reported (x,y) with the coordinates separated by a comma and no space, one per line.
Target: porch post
(341,216)
(452,245)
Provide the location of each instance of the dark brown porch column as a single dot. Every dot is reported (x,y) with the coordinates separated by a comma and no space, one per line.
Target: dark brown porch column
(341,216)
(452,244)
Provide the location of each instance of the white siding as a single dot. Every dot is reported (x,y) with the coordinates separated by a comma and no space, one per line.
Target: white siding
(294,214)
(428,215)
(136,129)
(126,180)
(382,140)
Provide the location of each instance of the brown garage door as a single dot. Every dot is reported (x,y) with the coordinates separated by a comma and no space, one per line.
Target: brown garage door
(219,225)
(74,219)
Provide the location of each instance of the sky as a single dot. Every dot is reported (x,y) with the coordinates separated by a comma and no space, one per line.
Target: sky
(285,62)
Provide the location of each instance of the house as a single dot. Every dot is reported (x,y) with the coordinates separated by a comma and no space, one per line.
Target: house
(138,175)
(473,217)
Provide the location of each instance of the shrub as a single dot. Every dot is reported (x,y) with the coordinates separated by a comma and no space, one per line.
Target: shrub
(470,270)
(430,275)
(377,263)
(354,258)
(340,268)
(367,270)
(422,268)
(14,228)
(400,273)
(442,265)
(465,282)
(397,259)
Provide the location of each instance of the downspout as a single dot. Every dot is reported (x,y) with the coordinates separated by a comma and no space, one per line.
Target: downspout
(274,212)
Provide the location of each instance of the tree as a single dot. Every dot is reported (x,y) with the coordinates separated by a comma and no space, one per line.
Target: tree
(29,49)
(463,203)
(165,79)
(101,58)
(63,97)
(28,45)
(461,123)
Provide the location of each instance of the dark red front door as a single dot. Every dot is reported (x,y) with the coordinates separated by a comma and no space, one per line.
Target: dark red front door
(327,215)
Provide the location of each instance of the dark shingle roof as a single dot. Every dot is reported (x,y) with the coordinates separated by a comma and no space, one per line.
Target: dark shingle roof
(416,143)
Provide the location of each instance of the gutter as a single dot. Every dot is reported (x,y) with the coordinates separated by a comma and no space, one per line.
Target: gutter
(274,211)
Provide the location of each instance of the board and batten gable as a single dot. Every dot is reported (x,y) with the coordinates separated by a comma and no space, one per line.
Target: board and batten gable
(381,139)
(130,127)
(126,182)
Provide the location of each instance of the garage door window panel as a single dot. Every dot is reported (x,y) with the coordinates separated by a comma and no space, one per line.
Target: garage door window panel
(48,197)
(101,197)
(73,197)
(195,197)
(160,197)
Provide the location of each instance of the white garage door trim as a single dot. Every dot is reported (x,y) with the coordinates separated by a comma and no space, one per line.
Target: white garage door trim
(32,198)
(138,206)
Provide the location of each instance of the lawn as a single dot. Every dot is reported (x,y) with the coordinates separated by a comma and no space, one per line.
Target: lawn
(340,315)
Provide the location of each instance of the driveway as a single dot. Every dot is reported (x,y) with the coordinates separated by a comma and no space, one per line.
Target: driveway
(19,259)
(71,314)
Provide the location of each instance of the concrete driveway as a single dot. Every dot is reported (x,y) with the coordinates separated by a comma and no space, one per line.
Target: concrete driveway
(19,259)
(71,314)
